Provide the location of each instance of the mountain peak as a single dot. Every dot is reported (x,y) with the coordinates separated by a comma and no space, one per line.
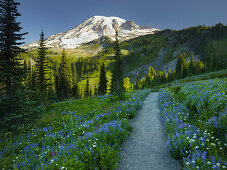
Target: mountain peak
(94,28)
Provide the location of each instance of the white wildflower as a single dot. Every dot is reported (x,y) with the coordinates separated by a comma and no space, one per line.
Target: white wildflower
(208,162)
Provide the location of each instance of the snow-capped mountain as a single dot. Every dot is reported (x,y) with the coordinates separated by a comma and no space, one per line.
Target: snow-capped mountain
(94,28)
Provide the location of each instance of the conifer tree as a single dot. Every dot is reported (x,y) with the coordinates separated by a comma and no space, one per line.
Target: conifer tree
(117,83)
(169,75)
(180,65)
(65,81)
(137,81)
(29,75)
(74,82)
(127,84)
(51,94)
(42,70)
(56,83)
(11,71)
(14,101)
(192,65)
(87,89)
(95,91)
(102,88)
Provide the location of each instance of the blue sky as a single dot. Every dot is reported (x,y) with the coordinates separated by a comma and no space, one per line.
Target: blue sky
(55,16)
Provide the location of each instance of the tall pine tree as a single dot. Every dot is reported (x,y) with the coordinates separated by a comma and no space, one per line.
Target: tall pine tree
(117,84)
(192,65)
(180,65)
(75,92)
(42,70)
(65,81)
(87,88)
(102,88)
(14,103)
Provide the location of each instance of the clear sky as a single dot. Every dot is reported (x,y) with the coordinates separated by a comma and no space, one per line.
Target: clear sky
(56,16)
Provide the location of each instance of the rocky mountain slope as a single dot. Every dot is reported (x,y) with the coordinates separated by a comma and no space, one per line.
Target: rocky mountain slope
(94,28)
(162,50)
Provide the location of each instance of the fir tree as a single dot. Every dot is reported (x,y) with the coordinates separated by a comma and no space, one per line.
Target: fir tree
(11,71)
(56,83)
(51,94)
(180,65)
(170,78)
(75,92)
(87,89)
(127,84)
(42,70)
(14,102)
(117,84)
(65,81)
(95,91)
(192,65)
(137,81)
(102,88)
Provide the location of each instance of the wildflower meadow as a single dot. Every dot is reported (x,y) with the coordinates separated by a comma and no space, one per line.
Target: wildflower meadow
(194,115)
(87,141)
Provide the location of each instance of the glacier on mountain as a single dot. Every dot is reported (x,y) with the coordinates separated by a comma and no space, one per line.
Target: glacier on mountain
(94,28)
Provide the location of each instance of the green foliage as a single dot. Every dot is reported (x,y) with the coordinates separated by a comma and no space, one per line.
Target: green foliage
(128,85)
(65,81)
(42,71)
(195,136)
(87,92)
(117,83)
(180,65)
(102,88)
(84,134)
(15,105)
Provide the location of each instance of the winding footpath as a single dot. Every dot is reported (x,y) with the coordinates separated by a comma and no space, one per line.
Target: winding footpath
(146,148)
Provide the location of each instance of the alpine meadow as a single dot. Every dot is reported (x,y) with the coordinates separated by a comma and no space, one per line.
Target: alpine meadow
(111,94)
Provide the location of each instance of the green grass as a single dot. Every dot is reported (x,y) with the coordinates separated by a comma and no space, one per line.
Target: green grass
(194,115)
(220,49)
(81,134)
(206,76)
(138,59)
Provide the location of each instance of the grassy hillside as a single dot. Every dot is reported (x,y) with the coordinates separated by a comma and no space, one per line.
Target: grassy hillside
(159,50)
(194,115)
(88,133)
(85,134)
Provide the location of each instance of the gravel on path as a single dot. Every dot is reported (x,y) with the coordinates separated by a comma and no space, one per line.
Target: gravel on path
(146,148)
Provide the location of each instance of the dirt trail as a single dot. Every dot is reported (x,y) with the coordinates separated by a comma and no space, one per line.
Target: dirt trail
(146,148)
